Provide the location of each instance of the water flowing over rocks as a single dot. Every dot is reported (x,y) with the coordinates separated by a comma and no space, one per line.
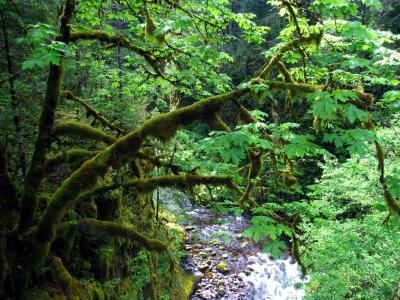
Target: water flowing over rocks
(227,265)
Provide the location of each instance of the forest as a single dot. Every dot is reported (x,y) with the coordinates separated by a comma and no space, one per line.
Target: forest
(200,149)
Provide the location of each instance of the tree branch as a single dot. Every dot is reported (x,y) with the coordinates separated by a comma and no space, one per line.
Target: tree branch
(116,230)
(72,128)
(70,156)
(163,126)
(92,112)
(34,175)
(116,41)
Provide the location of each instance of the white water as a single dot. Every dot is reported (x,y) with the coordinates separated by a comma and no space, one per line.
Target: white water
(274,279)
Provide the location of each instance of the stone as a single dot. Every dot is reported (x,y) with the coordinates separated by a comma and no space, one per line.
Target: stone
(198,276)
(208,249)
(223,268)
(220,283)
(189,228)
(221,291)
(239,236)
(203,254)
(247,272)
(225,255)
(202,267)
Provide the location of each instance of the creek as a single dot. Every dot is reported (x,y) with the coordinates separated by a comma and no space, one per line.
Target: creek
(225,264)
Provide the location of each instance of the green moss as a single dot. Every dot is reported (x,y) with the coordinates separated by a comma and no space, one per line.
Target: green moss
(215,123)
(71,128)
(187,284)
(256,164)
(90,111)
(116,230)
(70,156)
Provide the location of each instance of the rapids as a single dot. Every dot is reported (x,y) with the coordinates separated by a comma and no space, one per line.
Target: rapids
(227,265)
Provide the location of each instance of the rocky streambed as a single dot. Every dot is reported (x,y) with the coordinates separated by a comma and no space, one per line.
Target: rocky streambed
(227,265)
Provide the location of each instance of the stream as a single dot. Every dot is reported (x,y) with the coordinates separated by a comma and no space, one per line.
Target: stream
(225,264)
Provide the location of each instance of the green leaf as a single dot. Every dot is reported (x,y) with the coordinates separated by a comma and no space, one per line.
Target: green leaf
(300,146)
(353,113)
(274,247)
(324,105)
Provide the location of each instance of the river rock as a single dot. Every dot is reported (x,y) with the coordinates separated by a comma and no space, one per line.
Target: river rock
(202,267)
(226,255)
(190,228)
(223,268)
(221,291)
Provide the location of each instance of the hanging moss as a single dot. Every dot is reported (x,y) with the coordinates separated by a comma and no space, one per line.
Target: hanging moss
(289,178)
(72,128)
(256,164)
(297,255)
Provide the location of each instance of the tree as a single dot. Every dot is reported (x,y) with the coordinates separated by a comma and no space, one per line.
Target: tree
(171,49)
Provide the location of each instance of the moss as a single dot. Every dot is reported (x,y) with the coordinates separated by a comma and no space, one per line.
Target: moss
(146,185)
(314,38)
(43,141)
(92,112)
(256,164)
(85,178)
(71,128)
(297,255)
(245,117)
(116,230)
(289,178)
(392,204)
(215,122)
(115,41)
(187,285)
(62,276)
(70,156)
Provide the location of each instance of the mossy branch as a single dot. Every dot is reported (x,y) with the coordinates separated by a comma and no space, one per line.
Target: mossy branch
(92,112)
(116,230)
(61,274)
(72,128)
(314,38)
(84,179)
(256,164)
(215,122)
(67,157)
(116,41)
(34,175)
(177,181)
(159,163)
(390,201)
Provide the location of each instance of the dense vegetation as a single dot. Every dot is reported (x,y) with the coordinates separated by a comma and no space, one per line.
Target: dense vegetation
(285,111)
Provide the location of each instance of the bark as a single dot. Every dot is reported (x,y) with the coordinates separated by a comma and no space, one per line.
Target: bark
(163,126)
(14,99)
(34,175)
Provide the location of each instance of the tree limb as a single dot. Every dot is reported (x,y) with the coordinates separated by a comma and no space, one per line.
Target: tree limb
(72,128)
